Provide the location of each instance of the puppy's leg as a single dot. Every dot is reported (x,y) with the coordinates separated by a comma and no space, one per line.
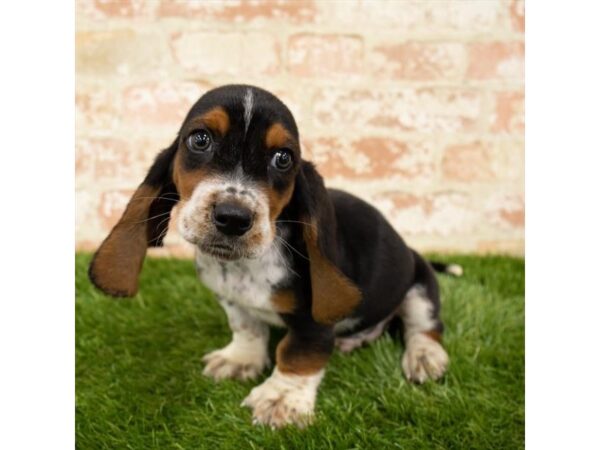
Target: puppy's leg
(424,357)
(246,356)
(288,395)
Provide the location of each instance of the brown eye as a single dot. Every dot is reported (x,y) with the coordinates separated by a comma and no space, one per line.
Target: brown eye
(199,141)
(282,160)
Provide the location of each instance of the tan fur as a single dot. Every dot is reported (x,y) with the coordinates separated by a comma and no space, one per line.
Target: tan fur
(186,180)
(435,335)
(217,120)
(300,362)
(118,261)
(279,200)
(284,301)
(277,136)
(334,296)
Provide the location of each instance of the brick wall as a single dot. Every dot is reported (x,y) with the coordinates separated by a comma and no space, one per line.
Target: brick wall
(416,106)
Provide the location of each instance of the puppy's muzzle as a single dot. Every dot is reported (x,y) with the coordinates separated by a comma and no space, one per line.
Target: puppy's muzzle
(232,219)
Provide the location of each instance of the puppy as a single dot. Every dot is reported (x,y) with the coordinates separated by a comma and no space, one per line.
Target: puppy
(278,249)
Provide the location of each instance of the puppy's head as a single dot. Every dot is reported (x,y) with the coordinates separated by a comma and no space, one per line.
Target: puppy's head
(233,167)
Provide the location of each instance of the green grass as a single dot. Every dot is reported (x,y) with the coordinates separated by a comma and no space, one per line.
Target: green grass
(139,383)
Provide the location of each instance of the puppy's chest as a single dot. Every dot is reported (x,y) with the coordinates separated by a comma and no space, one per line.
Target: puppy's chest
(248,283)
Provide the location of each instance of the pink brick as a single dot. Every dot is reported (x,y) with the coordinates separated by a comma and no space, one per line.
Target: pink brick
(517,15)
(240,11)
(470,162)
(112,205)
(435,214)
(510,113)
(423,110)
(408,103)
(372,158)
(324,55)
(419,61)
(342,13)
(427,16)
(208,53)
(95,107)
(160,103)
(497,60)
(101,159)
(483,161)
(105,9)
(120,52)
(261,54)
(506,210)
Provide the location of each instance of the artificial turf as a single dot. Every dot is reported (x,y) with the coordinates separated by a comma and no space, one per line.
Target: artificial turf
(139,383)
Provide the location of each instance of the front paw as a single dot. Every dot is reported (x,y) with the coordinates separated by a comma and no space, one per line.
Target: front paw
(284,400)
(424,359)
(231,362)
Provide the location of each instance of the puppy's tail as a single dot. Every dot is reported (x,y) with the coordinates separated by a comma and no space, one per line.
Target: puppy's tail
(450,269)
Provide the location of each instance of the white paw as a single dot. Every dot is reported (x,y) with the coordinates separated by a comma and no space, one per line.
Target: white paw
(284,399)
(424,359)
(233,362)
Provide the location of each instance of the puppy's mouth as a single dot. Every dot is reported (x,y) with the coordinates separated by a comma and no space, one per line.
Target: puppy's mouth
(224,252)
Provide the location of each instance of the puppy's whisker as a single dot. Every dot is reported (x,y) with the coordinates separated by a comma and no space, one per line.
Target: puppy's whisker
(166,219)
(296,221)
(162,235)
(155,198)
(149,218)
(291,247)
(285,261)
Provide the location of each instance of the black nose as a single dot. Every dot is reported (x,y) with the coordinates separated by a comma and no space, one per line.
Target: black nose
(232,219)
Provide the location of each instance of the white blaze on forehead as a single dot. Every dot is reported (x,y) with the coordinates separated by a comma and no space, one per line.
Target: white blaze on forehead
(248,105)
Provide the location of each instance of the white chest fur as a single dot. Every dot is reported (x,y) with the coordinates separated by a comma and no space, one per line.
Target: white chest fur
(248,282)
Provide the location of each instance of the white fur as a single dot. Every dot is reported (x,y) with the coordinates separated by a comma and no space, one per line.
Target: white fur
(244,288)
(194,215)
(455,269)
(246,356)
(416,312)
(348,343)
(284,399)
(424,358)
(346,325)
(248,106)
(246,283)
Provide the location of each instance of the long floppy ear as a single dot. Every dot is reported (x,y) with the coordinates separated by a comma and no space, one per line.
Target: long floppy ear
(116,265)
(334,296)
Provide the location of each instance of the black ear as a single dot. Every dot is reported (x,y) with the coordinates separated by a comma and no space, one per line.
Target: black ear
(118,261)
(334,296)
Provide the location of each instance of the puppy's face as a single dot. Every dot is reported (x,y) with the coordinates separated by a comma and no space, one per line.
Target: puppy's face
(235,166)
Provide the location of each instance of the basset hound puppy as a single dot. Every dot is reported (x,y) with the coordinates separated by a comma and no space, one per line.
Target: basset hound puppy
(278,249)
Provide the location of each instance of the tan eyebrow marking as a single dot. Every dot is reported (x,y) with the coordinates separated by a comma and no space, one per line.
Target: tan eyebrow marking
(216,119)
(277,136)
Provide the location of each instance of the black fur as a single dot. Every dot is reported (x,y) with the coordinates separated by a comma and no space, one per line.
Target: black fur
(160,175)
